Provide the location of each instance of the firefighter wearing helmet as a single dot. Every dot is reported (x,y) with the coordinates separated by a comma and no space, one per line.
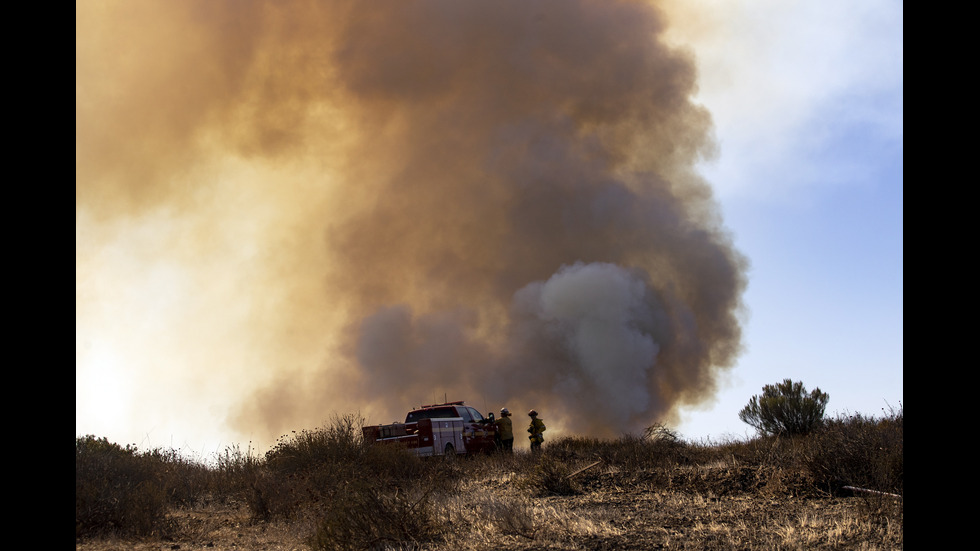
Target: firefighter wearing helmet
(505,431)
(535,429)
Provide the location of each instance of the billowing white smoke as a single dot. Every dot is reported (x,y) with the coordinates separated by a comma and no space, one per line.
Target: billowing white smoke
(582,345)
(599,320)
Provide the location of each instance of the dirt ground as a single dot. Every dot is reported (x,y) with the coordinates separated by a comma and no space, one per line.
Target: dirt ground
(608,511)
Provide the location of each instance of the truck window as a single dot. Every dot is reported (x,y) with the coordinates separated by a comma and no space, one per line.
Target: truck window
(434,413)
(477,417)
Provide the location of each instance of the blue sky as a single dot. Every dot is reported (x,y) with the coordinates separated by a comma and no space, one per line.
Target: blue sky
(810,179)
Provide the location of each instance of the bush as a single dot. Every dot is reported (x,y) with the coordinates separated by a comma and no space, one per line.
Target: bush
(117,490)
(340,441)
(311,468)
(550,477)
(234,472)
(785,409)
(659,447)
(355,496)
(121,490)
(184,481)
(303,468)
(367,515)
(861,451)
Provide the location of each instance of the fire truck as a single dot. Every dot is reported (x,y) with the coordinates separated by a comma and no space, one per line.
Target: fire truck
(451,428)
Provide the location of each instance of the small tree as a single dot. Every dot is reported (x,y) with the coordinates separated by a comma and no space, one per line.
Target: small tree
(785,408)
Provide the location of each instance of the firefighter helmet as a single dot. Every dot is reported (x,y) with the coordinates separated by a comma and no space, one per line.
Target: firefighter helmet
(504,411)
(532,413)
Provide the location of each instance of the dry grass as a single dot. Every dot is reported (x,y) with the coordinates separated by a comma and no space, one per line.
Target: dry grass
(325,489)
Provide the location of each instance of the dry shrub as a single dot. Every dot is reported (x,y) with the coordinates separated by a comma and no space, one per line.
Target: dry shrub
(302,469)
(117,490)
(367,515)
(861,451)
(758,480)
(660,447)
(340,441)
(549,476)
(375,496)
(573,448)
(184,481)
(850,450)
(315,469)
(398,465)
(122,490)
(271,496)
(770,451)
(234,473)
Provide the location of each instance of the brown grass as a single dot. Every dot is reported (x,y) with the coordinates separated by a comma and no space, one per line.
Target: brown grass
(325,489)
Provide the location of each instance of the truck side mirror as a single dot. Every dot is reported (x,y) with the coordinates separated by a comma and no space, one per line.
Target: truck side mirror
(490,417)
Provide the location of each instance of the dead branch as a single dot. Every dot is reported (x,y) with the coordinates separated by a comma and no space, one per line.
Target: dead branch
(587,467)
(867,491)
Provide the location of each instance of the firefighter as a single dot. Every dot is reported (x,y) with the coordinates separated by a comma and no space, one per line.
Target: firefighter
(536,428)
(505,431)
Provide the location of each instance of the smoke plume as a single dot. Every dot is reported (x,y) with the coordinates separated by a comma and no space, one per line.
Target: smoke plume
(289,209)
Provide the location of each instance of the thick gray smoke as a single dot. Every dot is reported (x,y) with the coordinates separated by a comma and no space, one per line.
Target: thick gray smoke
(603,326)
(488,201)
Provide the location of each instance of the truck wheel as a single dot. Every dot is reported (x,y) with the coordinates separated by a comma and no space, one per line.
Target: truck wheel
(450,452)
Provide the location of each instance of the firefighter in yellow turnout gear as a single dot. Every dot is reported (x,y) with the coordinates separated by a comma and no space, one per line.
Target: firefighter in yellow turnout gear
(537,427)
(505,431)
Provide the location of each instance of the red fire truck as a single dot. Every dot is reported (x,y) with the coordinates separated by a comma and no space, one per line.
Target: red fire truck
(439,429)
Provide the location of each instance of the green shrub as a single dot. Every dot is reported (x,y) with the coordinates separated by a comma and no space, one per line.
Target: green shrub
(785,408)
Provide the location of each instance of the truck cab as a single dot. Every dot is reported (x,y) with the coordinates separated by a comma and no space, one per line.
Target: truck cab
(478,434)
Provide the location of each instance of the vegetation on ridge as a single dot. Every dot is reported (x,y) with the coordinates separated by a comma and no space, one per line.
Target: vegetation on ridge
(637,491)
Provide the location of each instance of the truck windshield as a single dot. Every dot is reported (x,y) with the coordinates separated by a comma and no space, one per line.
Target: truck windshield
(434,413)
(476,414)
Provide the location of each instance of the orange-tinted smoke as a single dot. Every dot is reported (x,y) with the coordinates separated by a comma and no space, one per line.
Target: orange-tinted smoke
(488,201)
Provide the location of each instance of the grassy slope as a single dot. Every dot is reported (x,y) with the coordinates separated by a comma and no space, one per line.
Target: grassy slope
(324,489)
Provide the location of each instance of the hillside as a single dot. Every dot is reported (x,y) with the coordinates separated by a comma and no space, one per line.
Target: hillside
(324,490)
